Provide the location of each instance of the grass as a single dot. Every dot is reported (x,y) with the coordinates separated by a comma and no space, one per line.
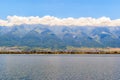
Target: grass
(61,52)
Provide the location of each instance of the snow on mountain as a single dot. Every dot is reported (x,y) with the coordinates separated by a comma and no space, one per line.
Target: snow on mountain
(59,36)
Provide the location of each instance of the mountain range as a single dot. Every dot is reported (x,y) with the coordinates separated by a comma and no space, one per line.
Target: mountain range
(59,37)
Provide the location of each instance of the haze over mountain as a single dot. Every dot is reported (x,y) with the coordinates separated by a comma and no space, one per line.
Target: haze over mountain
(20,31)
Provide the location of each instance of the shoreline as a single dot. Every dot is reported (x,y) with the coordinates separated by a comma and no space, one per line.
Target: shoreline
(60,52)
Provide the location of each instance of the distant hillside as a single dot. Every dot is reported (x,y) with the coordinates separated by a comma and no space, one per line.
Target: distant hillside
(59,37)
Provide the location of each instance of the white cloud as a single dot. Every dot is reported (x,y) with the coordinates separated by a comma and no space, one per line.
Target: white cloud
(54,21)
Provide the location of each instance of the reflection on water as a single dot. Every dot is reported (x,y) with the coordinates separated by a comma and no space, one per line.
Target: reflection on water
(59,67)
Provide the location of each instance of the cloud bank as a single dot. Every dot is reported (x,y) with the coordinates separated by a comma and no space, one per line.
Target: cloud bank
(54,21)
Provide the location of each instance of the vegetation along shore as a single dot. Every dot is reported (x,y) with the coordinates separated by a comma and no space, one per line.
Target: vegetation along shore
(70,50)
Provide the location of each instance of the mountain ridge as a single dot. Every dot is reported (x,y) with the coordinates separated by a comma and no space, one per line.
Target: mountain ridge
(59,37)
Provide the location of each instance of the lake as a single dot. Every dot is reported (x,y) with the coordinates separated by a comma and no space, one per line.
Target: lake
(59,67)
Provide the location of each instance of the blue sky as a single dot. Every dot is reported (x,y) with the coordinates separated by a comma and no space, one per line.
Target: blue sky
(61,8)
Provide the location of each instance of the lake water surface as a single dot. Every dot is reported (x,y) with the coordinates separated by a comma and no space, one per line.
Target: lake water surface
(59,67)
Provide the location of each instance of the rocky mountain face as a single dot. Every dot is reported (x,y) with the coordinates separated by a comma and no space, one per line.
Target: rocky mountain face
(59,37)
